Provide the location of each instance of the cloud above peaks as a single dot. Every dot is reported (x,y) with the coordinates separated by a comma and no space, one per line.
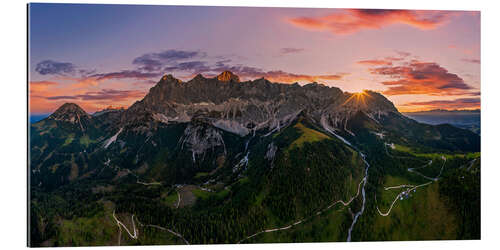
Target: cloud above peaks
(156,61)
(471,60)
(187,63)
(354,20)
(190,63)
(287,51)
(135,74)
(421,78)
(405,76)
(375,62)
(50,67)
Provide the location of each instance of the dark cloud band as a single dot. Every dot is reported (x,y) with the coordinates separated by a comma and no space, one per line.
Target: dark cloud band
(49,67)
(156,61)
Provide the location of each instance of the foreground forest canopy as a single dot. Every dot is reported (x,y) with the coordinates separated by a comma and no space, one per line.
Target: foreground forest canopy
(216,160)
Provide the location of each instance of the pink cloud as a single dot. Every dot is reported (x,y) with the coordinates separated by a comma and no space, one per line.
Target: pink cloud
(418,77)
(354,20)
(375,62)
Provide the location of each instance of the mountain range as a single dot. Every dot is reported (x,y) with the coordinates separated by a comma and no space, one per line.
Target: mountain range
(219,160)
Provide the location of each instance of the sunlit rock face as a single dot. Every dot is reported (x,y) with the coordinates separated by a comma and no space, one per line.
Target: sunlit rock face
(227,76)
(245,107)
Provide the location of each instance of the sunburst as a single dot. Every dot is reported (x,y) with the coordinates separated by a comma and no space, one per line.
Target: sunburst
(358,98)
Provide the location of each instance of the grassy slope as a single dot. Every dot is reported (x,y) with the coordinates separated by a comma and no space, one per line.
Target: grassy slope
(98,230)
(408,150)
(307,135)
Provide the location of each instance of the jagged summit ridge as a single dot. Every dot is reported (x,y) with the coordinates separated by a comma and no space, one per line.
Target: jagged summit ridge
(244,107)
(238,107)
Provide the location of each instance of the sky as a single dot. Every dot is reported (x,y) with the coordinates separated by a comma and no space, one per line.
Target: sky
(101,56)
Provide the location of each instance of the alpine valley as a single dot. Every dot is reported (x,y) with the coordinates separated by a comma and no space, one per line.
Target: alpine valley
(217,160)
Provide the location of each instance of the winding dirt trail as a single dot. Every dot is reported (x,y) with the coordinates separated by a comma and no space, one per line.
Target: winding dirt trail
(170,231)
(428,164)
(399,196)
(120,225)
(398,187)
(409,186)
(135,235)
(165,229)
(148,183)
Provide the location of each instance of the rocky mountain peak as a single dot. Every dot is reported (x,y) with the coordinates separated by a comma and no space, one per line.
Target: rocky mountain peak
(227,76)
(70,112)
(69,108)
(381,101)
(170,78)
(199,76)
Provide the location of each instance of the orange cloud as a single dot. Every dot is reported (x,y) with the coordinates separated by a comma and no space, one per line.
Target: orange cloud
(416,77)
(353,20)
(47,104)
(460,103)
(41,105)
(47,96)
(463,50)
(80,82)
(375,62)
(37,86)
(393,58)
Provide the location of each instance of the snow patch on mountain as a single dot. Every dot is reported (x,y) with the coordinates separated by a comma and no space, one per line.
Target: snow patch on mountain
(112,139)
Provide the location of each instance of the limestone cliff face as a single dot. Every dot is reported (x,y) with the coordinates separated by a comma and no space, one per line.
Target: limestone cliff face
(244,107)
(199,139)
